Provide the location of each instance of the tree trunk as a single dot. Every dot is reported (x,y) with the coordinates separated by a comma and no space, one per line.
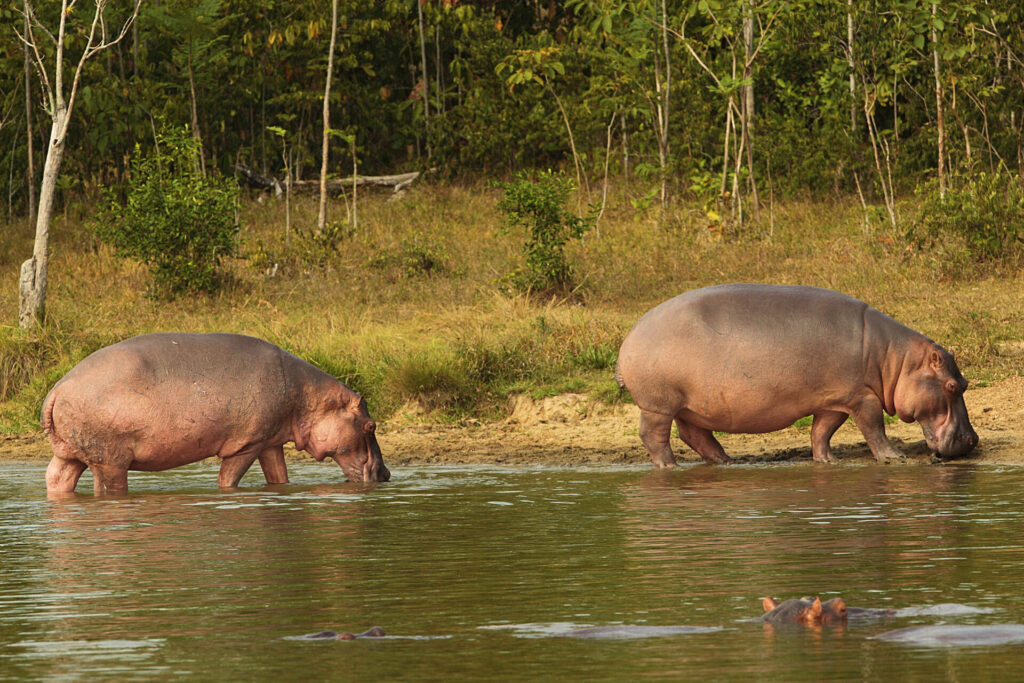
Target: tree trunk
(425,80)
(938,109)
(321,221)
(748,105)
(31,170)
(32,285)
(195,111)
(849,61)
(663,141)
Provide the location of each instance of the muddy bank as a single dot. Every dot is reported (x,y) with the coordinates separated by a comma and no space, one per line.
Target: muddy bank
(571,429)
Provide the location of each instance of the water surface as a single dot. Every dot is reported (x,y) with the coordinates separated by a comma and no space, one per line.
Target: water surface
(481,572)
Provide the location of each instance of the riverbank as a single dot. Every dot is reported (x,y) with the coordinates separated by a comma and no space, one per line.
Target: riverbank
(411,309)
(575,429)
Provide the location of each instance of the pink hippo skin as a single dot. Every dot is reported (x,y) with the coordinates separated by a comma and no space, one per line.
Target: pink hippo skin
(748,358)
(163,400)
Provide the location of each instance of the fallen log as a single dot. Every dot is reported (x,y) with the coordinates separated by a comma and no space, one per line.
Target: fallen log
(396,182)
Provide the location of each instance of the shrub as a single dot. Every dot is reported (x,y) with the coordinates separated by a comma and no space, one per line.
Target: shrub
(177,221)
(982,214)
(539,206)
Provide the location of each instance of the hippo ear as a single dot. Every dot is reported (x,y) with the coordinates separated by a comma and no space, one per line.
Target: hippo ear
(935,360)
(769,604)
(815,609)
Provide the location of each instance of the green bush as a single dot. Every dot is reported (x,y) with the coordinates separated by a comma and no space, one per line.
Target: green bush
(539,206)
(177,221)
(980,218)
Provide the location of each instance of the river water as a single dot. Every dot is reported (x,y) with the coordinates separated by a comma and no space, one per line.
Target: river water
(487,573)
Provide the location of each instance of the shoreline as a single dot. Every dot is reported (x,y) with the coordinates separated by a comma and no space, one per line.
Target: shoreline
(573,429)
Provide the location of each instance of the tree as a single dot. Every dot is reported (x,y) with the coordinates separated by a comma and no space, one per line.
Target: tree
(321,220)
(59,105)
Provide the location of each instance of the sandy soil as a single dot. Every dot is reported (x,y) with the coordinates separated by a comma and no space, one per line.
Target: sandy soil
(571,429)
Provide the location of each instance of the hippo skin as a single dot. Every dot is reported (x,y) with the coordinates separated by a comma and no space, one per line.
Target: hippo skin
(159,401)
(750,358)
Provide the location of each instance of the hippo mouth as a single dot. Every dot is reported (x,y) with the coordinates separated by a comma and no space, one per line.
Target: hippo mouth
(372,469)
(955,443)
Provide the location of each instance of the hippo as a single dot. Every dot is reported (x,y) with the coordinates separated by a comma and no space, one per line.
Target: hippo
(159,401)
(375,632)
(751,358)
(956,635)
(811,611)
(804,611)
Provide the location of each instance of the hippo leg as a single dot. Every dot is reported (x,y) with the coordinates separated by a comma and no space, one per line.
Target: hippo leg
(232,468)
(704,442)
(62,475)
(868,416)
(109,479)
(656,432)
(272,463)
(824,426)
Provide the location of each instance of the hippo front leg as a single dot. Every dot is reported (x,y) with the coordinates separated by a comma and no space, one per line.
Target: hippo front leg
(824,426)
(868,416)
(108,479)
(656,432)
(272,463)
(233,467)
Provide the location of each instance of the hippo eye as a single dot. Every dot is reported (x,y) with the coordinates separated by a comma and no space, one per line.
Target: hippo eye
(952,387)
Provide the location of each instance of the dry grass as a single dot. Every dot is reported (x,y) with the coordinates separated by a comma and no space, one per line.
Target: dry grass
(407,305)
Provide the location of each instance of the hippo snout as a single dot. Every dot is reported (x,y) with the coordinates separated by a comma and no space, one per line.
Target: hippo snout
(961,445)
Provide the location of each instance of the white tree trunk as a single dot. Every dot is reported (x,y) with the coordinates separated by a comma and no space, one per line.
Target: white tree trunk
(31,170)
(321,220)
(32,285)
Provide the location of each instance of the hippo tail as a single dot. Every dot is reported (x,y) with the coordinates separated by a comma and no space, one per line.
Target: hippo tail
(618,379)
(46,415)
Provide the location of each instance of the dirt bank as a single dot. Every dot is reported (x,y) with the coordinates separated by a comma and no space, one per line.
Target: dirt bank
(571,429)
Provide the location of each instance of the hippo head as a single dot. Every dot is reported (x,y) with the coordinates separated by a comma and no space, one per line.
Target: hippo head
(933,395)
(798,611)
(833,611)
(342,429)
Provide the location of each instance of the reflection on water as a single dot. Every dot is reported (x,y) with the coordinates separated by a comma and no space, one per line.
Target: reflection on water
(480,572)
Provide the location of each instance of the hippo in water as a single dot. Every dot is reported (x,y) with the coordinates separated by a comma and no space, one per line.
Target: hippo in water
(814,612)
(159,401)
(375,632)
(749,358)
(805,611)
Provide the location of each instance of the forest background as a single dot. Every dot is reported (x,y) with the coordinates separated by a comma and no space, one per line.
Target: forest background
(870,147)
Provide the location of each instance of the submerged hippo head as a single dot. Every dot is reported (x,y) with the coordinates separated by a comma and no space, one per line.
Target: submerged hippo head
(933,395)
(341,428)
(797,611)
(833,611)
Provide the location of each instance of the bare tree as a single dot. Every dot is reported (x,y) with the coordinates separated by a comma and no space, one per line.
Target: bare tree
(321,221)
(59,103)
(30,172)
(938,107)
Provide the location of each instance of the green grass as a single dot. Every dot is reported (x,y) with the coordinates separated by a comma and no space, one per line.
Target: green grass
(408,305)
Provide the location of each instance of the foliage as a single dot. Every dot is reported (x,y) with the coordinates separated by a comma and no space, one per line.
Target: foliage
(417,255)
(539,206)
(178,222)
(982,212)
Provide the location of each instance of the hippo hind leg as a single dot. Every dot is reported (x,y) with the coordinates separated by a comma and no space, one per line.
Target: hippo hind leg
(62,475)
(656,432)
(823,427)
(109,479)
(704,442)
